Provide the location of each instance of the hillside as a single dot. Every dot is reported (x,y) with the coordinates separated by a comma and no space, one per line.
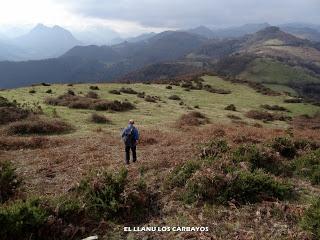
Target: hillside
(199,164)
(283,54)
(96,64)
(41,42)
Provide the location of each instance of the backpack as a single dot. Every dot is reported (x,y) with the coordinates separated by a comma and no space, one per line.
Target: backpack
(128,137)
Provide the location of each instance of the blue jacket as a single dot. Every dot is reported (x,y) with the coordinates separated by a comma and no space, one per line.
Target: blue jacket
(135,132)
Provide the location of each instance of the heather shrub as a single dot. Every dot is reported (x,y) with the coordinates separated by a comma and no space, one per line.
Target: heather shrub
(38,126)
(174,97)
(192,119)
(149,98)
(266,116)
(128,90)
(274,108)
(242,188)
(9,181)
(116,92)
(98,118)
(79,102)
(103,193)
(260,158)
(311,219)
(22,220)
(141,95)
(308,166)
(214,148)
(92,95)
(293,100)
(284,146)
(180,174)
(11,111)
(94,88)
(231,107)
(252,187)
(204,188)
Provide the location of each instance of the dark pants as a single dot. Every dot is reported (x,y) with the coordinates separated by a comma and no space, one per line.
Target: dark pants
(134,153)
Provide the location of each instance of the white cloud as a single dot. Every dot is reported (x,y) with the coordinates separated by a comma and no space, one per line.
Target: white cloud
(130,17)
(14,13)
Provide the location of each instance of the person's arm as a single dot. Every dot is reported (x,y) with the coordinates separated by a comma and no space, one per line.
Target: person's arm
(136,135)
(123,132)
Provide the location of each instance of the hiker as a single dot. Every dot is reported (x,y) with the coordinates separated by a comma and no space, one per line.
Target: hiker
(130,137)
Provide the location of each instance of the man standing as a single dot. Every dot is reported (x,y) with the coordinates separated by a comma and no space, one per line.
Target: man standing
(130,136)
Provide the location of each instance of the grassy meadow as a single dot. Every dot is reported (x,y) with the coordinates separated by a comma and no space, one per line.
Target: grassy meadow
(163,113)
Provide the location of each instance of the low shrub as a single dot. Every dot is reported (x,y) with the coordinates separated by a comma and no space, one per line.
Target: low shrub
(234,117)
(293,100)
(203,188)
(16,143)
(169,87)
(209,88)
(94,88)
(103,193)
(139,203)
(214,148)
(285,147)
(260,159)
(71,92)
(32,91)
(9,181)
(128,90)
(308,166)
(252,187)
(12,114)
(46,84)
(92,95)
(113,106)
(192,119)
(49,91)
(98,118)
(231,107)
(114,91)
(181,174)
(174,97)
(22,220)
(266,116)
(38,126)
(69,208)
(11,111)
(149,98)
(311,219)
(242,188)
(79,102)
(274,108)
(141,94)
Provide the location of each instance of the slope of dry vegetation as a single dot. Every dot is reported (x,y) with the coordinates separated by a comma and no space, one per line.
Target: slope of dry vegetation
(226,177)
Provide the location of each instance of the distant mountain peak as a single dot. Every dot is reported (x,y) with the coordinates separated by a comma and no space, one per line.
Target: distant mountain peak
(202,31)
(271,29)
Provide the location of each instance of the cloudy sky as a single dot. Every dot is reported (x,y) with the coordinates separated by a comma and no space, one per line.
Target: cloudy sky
(129,17)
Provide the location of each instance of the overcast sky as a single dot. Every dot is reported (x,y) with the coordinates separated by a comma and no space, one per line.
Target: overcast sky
(130,17)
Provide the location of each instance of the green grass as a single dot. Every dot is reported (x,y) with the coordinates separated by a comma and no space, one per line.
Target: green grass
(282,89)
(274,72)
(161,114)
